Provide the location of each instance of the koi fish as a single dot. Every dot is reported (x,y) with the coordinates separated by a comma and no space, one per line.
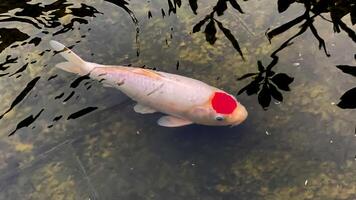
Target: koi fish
(184,100)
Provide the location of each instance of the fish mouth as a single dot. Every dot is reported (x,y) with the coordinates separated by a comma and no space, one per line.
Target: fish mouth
(241,116)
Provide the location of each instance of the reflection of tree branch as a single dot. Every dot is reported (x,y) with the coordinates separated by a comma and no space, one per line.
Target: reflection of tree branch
(324,18)
(349,31)
(40,16)
(284,27)
(122,4)
(287,42)
(34,13)
(307,24)
(269,80)
(20,20)
(210,29)
(337,11)
(231,37)
(321,40)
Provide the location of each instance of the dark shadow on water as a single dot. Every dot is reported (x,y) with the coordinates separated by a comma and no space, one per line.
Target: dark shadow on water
(205,152)
(212,133)
(348,99)
(194,138)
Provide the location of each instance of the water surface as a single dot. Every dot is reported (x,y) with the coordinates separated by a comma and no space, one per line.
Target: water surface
(71,138)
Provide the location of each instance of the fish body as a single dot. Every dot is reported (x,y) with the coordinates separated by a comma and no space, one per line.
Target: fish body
(184,100)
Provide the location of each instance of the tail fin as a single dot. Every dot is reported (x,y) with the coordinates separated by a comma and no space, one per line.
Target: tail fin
(75,64)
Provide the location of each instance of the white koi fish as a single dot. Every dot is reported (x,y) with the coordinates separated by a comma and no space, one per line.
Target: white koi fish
(184,100)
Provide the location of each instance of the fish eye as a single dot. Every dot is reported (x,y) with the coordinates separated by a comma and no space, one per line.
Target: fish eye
(219,118)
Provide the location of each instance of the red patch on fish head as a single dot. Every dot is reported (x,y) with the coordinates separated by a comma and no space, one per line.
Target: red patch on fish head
(223,103)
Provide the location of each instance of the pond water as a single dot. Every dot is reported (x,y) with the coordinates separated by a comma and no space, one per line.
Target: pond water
(284,60)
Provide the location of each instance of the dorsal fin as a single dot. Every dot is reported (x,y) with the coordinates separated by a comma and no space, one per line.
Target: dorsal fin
(147,72)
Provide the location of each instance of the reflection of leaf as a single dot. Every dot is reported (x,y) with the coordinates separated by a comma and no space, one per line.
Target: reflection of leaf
(243,89)
(264,97)
(270,82)
(210,32)
(348,100)
(275,93)
(337,10)
(198,26)
(251,88)
(270,73)
(284,4)
(347,69)
(8,60)
(26,122)
(193,5)
(163,13)
(246,76)
(259,78)
(172,8)
(353,14)
(261,68)
(351,33)
(284,27)
(321,41)
(220,7)
(282,81)
(236,5)
(231,37)
(8,36)
(178,2)
(335,17)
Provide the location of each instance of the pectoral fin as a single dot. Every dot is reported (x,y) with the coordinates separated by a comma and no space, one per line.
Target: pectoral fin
(107,85)
(170,121)
(143,109)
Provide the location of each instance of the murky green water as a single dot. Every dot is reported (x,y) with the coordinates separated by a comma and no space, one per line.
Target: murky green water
(301,148)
